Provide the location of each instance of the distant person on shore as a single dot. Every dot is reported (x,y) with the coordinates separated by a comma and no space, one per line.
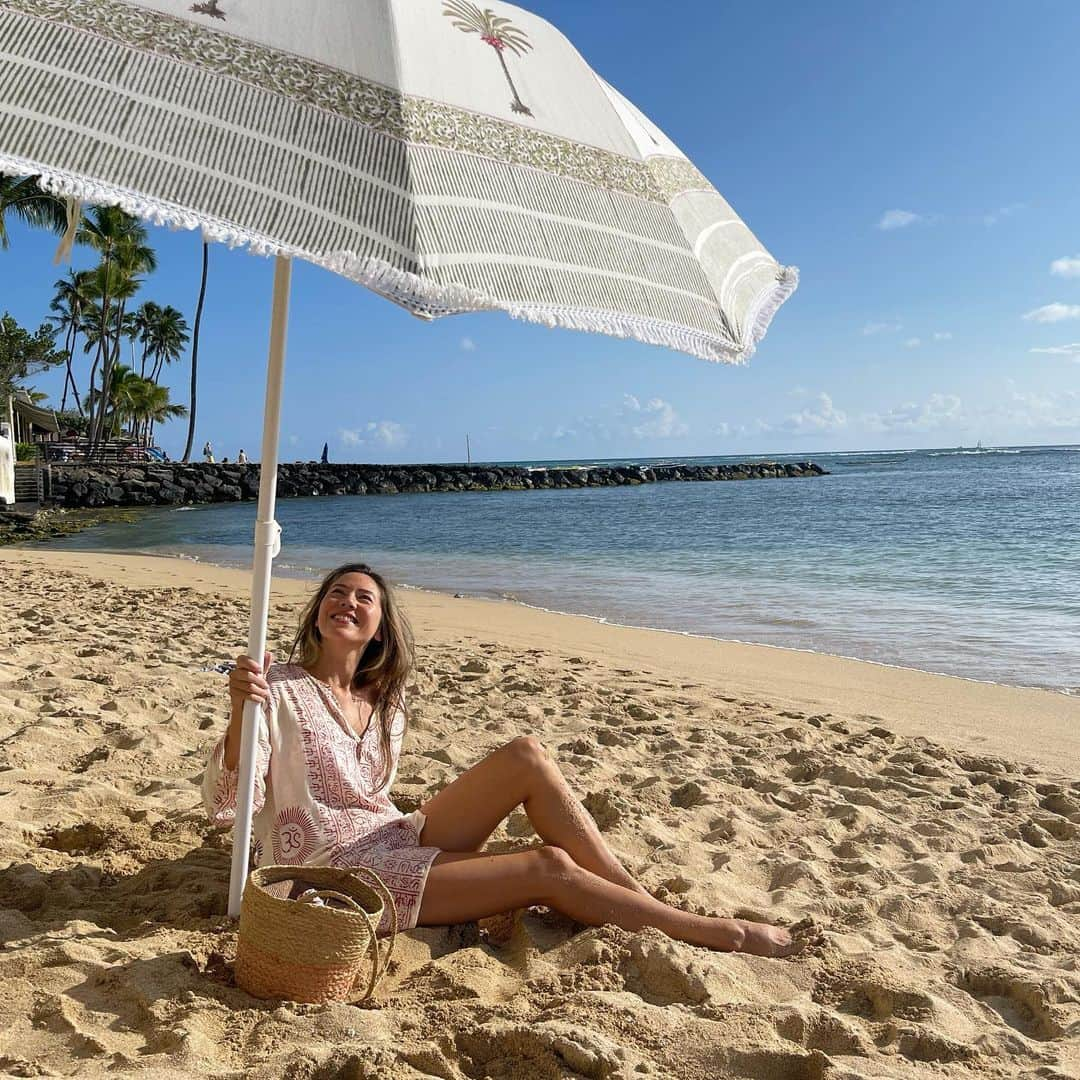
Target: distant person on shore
(325,459)
(241,458)
(208,453)
(330,733)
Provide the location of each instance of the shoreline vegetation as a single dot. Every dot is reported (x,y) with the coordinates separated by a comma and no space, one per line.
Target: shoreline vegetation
(929,826)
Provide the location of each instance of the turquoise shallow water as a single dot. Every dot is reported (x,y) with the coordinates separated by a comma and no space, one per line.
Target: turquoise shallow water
(950,561)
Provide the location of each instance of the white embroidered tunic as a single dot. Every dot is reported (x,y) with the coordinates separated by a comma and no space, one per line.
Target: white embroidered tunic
(315,797)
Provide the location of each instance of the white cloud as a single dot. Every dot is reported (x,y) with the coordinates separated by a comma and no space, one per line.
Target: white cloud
(1051,313)
(1071,352)
(630,418)
(939,410)
(872,329)
(1069,266)
(468,345)
(816,421)
(1001,212)
(942,335)
(294,440)
(1042,411)
(912,343)
(387,434)
(898,219)
(663,422)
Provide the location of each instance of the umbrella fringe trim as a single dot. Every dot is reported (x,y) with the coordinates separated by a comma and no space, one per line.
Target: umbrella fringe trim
(766,305)
(426,299)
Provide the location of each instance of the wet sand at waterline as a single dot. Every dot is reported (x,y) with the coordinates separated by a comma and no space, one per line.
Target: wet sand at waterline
(929,825)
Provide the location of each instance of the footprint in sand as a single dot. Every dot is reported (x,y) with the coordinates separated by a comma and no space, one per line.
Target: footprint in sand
(552,1048)
(1021,1004)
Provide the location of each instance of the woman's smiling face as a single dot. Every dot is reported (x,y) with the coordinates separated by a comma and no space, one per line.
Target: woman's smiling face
(351,610)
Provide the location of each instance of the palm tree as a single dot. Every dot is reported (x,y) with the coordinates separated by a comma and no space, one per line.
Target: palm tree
(121,241)
(143,322)
(169,337)
(126,393)
(71,301)
(157,409)
(22,196)
(499,33)
(195,351)
(108,282)
(137,402)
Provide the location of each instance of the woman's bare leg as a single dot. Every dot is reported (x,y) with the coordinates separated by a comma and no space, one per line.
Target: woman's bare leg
(463,886)
(466,812)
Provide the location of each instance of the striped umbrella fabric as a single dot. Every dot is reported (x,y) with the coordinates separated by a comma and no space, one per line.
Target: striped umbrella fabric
(449,156)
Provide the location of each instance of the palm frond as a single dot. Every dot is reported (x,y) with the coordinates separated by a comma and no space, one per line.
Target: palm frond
(470,19)
(466,16)
(517,45)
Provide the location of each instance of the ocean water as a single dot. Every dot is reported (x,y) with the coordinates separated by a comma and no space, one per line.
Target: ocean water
(960,562)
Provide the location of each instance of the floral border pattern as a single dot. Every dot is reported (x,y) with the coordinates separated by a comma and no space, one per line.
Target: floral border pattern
(412,119)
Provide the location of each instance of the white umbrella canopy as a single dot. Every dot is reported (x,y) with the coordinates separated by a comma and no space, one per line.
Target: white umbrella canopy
(450,157)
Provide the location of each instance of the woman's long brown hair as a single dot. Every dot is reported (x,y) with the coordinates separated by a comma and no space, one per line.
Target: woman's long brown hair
(384,666)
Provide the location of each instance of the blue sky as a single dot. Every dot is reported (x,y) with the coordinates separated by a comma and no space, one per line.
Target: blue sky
(918,162)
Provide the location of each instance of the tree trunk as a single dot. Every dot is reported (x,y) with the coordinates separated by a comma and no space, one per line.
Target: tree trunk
(93,403)
(112,357)
(74,391)
(195,351)
(69,345)
(97,409)
(71,361)
(517,104)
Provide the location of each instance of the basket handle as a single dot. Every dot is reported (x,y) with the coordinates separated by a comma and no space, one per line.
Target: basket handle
(369,877)
(330,894)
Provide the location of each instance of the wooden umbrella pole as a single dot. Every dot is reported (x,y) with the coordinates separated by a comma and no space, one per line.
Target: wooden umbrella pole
(267,545)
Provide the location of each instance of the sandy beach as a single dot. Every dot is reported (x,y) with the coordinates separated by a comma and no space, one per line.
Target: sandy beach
(929,825)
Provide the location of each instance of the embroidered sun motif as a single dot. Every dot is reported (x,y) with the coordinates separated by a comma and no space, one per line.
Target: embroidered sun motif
(294,836)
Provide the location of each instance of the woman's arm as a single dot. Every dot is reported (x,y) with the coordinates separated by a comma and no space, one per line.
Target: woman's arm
(247,682)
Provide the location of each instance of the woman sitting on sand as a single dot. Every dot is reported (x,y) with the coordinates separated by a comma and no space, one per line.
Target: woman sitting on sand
(329,743)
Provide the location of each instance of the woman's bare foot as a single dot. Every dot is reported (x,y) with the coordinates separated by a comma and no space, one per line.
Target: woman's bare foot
(761,939)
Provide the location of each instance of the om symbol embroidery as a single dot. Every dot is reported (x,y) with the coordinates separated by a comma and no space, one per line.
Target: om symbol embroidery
(294,836)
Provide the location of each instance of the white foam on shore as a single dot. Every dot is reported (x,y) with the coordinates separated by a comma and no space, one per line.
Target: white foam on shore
(603,620)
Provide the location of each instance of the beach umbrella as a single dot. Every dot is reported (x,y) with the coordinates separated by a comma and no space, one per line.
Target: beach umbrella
(450,156)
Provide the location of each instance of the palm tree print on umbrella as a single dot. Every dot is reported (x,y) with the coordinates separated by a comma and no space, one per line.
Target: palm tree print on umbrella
(499,33)
(209,8)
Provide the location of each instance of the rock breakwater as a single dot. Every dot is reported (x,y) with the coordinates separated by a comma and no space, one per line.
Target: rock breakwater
(174,484)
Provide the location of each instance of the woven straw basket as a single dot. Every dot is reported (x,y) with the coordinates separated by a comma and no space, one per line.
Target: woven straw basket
(292,948)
